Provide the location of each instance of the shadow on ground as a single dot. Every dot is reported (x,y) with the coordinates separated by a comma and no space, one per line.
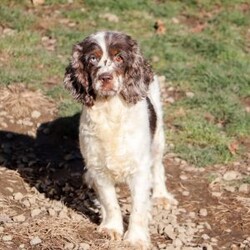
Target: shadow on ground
(52,163)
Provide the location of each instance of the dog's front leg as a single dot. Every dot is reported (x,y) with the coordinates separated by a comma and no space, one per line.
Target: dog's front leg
(138,231)
(111,214)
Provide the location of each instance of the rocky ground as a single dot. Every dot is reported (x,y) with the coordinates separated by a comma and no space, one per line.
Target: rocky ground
(45,205)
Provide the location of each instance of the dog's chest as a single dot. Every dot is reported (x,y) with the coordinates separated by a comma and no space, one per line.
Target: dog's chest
(106,134)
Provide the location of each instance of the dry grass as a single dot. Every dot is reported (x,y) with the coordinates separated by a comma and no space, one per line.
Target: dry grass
(20,102)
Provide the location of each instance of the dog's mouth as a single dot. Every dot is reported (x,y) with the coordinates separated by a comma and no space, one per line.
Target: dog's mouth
(107,85)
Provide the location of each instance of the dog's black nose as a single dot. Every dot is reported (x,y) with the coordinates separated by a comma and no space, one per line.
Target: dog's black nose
(105,77)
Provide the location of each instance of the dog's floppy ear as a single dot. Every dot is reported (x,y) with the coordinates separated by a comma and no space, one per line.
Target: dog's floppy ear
(138,75)
(77,79)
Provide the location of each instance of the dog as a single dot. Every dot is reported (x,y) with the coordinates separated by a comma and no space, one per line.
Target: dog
(121,129)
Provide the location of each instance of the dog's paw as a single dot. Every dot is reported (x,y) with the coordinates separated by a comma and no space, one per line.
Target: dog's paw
(112,234)
(137,240)
(165,202)
(111,231)
(138,245)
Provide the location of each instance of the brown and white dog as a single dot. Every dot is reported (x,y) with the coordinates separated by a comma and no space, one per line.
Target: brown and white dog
(121,128)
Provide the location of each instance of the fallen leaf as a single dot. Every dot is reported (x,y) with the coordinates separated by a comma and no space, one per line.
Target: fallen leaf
(160,28)
(233,147)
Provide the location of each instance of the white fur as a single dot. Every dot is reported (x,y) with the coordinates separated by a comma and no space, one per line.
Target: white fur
(117,146)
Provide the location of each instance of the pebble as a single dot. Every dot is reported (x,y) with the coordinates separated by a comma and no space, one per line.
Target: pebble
(35,212)
(7,237)
(19,218)
(1,229)
(52,212)
(203,212)
(185,193)
(69,246)
(84,246)
(35,241)
(230,188)
(189,94)
(192,214)
(35,114)
(205,237)
(244,188)
(183,177)
(169,231)
(231,175)
(22,246)
(177,242)
(162,246)
(18,196)
(26,203)
(234,247)
(216,194)
(170,100)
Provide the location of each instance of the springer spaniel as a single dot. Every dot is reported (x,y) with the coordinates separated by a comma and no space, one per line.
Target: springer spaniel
(121,128)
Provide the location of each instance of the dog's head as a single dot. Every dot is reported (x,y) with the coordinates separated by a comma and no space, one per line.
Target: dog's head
(107,64)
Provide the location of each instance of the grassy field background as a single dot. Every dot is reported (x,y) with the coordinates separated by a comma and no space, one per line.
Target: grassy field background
(203,52)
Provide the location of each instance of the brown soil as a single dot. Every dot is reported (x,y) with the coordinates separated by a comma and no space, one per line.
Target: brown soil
(40,158)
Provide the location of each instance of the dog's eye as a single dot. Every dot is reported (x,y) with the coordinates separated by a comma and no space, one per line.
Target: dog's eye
(117,58)
(93,59)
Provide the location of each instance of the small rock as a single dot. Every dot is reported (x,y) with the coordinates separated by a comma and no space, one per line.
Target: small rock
(27,123)
(18,196)
(230,189)
(170,100)
(203,212)
(205,237)
(231,175)
(63,214)
(35,114)
(244,188)
(22,246)
(216,194)
(10,189)
(177,242)
(192,214)
(234,247)
(110,17)
(183,177)
(35,212)
(35,241)
(189,94)
(19,218)
(175,20)
(7,237)
(185,193)
(26,203)
(1,229)
(162,246)
(69,246)
(37,2)
(32,200)
(169,231)
(84,246)
(4,218)
(52,212)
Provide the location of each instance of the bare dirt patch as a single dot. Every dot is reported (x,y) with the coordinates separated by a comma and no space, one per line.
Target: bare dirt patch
(44,203)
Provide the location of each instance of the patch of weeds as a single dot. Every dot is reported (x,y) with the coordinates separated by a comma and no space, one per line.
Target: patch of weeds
(16,18)
(199,142)
(69,107)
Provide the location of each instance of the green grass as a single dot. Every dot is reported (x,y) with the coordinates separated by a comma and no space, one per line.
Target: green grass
(212,63)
